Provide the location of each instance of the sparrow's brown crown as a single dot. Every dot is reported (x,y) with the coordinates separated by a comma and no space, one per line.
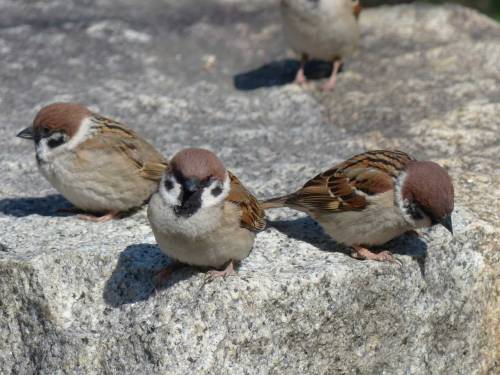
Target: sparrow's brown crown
(65,117)
(199,164)
(429,185)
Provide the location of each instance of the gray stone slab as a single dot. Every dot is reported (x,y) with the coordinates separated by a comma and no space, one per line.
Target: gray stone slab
(77,297)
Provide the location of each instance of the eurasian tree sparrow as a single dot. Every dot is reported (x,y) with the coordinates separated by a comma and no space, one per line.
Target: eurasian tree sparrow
(202,215)
(321,29)
(373,197)
(99,165)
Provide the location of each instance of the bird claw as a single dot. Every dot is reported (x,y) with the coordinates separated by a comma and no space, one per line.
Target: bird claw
(214,274)
(382,256)
(99,219)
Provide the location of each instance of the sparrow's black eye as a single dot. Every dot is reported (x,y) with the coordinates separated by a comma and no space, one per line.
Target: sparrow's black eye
(45,131)
(169,185)
(216,191)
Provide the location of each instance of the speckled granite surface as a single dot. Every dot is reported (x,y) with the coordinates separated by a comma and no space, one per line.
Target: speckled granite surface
(77,298)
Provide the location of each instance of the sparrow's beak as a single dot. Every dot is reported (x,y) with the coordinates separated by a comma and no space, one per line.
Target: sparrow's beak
(26,133)
(192,185)
(357,10)
(446,222)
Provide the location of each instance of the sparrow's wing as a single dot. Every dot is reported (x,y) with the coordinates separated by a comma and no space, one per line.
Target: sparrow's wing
(116,137)
(252,214)
(346,186)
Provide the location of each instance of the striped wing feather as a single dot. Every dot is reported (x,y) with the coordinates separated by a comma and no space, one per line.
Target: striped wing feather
(346,186)
(252,214)
(142,156)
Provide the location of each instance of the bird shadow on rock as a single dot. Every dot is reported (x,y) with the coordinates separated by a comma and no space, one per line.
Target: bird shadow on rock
(279,73)
(307,230)
(49,205)
(132,278)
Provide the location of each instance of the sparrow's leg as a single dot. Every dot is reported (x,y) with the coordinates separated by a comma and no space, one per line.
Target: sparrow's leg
(300,77)
(383,256)
(164,274)
(228,271)
(100,219)
(330,84)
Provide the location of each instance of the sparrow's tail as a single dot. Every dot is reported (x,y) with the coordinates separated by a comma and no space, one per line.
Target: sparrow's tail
(275,202)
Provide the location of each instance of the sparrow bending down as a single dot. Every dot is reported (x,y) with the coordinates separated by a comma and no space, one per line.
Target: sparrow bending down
(202,215)
(374,197)
(322,29)
(99,165)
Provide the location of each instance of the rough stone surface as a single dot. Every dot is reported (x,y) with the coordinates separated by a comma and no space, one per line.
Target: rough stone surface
(77,297)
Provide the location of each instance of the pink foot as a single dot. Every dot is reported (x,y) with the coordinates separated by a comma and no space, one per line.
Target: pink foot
(228,271)
(332,81)
(300,78)
(100,219)
(383,256)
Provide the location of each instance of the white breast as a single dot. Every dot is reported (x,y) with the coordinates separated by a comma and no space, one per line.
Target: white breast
(211,237)
(381,221)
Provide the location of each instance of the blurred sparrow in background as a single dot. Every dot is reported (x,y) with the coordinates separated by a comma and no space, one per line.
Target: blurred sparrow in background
(321,29)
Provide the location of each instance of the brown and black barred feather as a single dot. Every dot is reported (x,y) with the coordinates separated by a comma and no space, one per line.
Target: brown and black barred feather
(117,137)
(345,186)
(252,214)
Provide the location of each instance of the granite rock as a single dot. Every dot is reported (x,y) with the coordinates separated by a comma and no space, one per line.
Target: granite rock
(77,297)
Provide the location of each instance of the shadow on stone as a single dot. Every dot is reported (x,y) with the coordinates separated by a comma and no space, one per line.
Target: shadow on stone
(279,73)
(409,245)
(307,230)
(26,206)
(132,278)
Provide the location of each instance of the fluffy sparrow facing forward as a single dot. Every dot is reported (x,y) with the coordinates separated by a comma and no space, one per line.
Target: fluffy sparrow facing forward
(373,197)
(99,165)
(202,215)
(321,29)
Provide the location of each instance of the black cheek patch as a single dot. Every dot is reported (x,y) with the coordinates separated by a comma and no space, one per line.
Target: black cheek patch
(54,142)
(414,212)
(216,191)
(169,185)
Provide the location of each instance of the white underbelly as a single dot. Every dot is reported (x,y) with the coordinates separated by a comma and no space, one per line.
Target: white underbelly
(211,251)
(321,38)
(377,224)
(96,191)
(210,238)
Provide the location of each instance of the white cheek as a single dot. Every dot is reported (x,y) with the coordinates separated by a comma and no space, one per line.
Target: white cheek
(43,151)
(171,197)
(209,200)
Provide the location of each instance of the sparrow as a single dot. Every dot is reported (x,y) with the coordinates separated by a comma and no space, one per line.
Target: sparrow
(202,215)
(373,197)
(98,164)
(321,29)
